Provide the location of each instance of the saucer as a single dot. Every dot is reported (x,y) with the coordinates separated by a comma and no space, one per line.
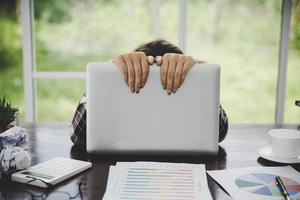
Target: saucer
(266,153)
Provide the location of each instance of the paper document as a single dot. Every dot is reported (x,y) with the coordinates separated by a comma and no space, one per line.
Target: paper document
(155,180)
(258,182)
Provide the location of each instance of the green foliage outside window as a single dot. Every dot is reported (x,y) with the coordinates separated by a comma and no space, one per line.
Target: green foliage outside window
(68,16)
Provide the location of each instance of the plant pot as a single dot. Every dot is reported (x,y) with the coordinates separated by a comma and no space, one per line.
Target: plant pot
(15,122)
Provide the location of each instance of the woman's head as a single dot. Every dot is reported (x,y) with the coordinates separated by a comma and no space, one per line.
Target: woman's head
(158,48)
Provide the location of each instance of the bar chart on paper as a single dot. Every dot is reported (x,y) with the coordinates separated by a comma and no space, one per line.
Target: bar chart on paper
(162,183)
(142,180)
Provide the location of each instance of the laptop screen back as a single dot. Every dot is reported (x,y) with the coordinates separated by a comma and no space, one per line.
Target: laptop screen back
(152,121)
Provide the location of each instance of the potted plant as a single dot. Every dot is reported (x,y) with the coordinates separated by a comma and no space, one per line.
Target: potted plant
(8,115)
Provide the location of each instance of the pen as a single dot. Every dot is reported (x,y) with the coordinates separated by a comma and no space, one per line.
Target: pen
(282,188)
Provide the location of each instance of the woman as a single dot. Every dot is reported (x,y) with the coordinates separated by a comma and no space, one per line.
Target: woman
(134,66)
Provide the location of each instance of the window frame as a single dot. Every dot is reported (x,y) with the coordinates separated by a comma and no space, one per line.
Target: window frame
(30,74)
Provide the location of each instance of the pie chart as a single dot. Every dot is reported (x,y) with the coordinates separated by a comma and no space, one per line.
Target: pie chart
(265,184)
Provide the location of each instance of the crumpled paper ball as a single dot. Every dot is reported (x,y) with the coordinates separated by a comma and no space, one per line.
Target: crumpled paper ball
(13,156)
(13,159)
(15,136)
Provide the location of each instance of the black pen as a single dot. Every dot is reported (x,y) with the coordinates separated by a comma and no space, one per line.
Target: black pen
(282,188)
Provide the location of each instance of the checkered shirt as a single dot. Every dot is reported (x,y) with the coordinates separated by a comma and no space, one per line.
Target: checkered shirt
(78,127)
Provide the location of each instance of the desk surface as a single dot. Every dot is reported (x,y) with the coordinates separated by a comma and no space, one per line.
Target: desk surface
(48,141)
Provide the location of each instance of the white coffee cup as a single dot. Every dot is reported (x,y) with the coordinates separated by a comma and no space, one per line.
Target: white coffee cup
(285,143)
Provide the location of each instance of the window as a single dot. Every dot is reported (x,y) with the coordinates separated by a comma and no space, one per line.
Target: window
(11,71)
(61,37)
(243,37)
(292,113)
(58,98)
(69,34)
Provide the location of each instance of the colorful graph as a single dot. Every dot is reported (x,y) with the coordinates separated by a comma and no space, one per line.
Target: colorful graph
(265,184)
(151,183)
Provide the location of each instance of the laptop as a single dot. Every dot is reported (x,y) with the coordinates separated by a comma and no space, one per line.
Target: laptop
(152,122)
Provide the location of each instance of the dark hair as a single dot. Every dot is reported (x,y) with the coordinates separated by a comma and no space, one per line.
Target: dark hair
(158,48)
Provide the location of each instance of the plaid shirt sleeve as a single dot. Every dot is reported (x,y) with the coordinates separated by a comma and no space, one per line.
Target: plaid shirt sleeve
(223,124)
(78,126)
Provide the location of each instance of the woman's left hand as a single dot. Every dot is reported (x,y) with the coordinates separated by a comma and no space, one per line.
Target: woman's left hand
(173,70)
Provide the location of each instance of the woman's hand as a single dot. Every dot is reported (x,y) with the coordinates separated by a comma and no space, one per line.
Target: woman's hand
(135,69)
(173,70)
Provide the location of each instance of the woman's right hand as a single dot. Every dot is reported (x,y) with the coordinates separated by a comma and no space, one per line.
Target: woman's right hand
(135,69)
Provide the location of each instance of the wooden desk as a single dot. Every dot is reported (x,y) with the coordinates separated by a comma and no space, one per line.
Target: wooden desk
(48,141)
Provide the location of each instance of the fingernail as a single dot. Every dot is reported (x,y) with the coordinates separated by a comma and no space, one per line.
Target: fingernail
(137,91)
(174,91)
(142,86)
(164,86)
(158,59)
(169,92)
(132,90)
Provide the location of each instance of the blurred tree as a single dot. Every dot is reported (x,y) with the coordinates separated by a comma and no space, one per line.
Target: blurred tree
(53,11)
(216,15)
(8,9)
(10,42)
(296,25)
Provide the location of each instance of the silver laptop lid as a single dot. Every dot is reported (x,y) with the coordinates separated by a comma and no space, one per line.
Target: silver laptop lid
(119,121)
